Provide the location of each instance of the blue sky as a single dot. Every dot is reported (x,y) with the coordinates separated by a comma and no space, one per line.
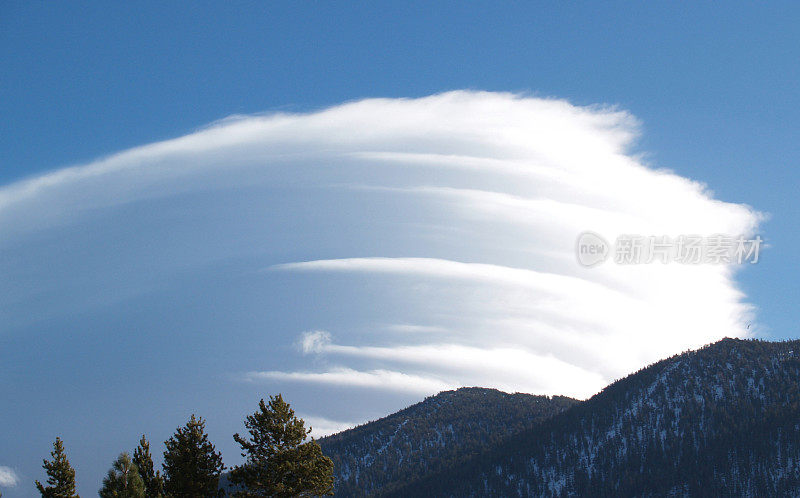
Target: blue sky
(123,317)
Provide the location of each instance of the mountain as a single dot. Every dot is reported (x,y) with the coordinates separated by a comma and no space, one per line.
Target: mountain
(720,421)
(428,436)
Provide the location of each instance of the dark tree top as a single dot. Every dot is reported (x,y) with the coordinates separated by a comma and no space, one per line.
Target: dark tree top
(60,474)
(280,462)
(192,466)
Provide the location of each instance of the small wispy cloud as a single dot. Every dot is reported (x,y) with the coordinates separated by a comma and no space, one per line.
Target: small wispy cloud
(321,426)
(375,379)
(553,283)
(497,367)
(8,477)
(416,329)
(314,341)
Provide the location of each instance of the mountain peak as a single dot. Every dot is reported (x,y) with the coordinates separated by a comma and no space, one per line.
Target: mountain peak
(428,435)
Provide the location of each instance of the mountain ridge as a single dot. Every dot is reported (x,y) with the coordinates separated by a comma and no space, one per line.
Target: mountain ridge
(425,436)
(723,420)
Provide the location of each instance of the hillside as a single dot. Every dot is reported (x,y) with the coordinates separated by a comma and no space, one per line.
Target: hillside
(429,435)
(720,421)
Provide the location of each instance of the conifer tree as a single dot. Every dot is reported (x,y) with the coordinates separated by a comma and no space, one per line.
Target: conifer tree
(191,465)
(60,475)
(153,482)
(279,460)
(123,480)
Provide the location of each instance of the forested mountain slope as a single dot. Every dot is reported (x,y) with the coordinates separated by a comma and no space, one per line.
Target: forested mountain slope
(429,435)
(720,421)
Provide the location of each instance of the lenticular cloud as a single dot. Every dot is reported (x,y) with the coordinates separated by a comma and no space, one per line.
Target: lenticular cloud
(427,243)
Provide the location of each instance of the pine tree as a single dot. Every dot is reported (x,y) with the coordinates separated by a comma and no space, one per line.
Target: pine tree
(191,466)
(123,480)
(280,462)
(153,482)
(60,475)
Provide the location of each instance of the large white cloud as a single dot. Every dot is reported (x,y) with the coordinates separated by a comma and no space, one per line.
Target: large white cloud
(453,217)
